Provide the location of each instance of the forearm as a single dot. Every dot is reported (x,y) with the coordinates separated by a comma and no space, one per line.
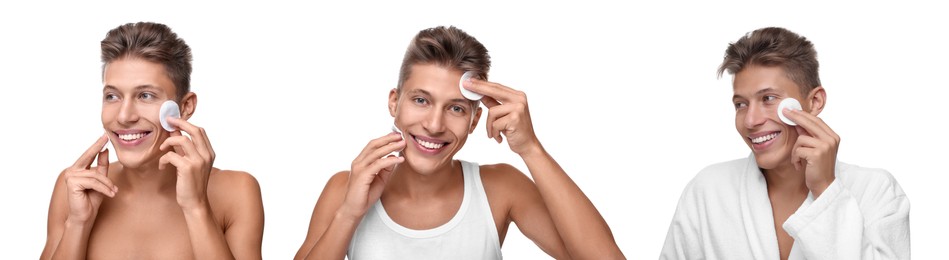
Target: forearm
(207,238)
(582,228)
(334,242)
(75,240)
(835,227)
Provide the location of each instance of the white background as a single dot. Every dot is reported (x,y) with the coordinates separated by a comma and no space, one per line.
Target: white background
(624,96)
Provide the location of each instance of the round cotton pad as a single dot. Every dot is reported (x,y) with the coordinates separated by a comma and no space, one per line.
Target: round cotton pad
(168,109)
(788,103)
(396,129)
(468,93)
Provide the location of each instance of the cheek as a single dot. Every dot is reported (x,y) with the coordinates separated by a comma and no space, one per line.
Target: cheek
(459,125)
(109,112)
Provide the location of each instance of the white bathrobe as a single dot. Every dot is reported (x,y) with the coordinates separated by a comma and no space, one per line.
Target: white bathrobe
(725,213)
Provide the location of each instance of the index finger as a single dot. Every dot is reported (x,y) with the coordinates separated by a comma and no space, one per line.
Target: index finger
(490,89)
(87,157)
(197,135)
(807,121)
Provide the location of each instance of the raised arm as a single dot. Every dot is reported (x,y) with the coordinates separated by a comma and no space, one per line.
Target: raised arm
(73,208)
(582,228)
(347,197)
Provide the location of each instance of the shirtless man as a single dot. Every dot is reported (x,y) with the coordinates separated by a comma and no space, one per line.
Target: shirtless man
(424,204)
(162,199)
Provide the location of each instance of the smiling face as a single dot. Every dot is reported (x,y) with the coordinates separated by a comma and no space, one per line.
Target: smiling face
(131,97)
(433,115)
(758,91)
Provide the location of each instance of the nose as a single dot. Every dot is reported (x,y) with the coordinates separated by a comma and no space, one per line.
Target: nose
(757,114)
(128,113)
(435,123)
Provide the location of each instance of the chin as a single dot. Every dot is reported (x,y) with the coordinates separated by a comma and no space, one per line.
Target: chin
(426,165)
(771,159)
(135,160)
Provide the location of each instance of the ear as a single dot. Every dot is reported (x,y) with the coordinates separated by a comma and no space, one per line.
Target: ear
(393,101)
(474,123)
(817,99)
(188,104)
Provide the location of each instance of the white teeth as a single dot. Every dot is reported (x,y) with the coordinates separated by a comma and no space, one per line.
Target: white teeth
(429,145)
(765,138)
(131,137)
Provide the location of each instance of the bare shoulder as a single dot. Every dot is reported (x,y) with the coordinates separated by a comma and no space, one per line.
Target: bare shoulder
(503,182)
(232,190)
(237,181)
(339,180)
(503,174)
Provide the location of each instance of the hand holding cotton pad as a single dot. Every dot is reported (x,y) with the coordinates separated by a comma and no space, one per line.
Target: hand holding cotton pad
(396,129)
(788,103)
(168,109)
(465,92)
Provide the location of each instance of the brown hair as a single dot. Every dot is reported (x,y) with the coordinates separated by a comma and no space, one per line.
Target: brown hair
(153,42)
(447,47)
(774,46)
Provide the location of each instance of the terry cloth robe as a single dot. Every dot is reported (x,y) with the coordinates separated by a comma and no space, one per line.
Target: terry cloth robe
(725,213)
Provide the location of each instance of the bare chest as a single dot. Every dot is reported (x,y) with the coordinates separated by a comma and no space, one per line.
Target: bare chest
(146,230)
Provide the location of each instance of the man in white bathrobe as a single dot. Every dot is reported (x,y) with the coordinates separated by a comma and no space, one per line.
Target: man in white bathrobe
(791,198)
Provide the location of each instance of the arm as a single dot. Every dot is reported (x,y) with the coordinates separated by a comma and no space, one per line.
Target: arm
(836,226)
(193,159)
(75,202)
(327,226)
(347,197)
(507,188)
(582,228)
(244,224)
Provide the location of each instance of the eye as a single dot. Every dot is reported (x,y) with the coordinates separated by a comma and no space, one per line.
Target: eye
(109,97)
(769,98)
(740,105)
(457,109)
(420,100)
(146,96)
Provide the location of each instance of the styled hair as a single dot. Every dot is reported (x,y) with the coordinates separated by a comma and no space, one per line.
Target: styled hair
(448,47)
(774,46)
(153,42)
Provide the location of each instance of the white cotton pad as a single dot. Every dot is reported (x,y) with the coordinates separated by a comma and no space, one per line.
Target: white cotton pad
(168,109)
(468,93)
(788,103)
(397,130)
(108,145)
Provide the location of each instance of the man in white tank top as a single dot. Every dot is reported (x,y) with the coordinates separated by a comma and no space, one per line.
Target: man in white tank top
(424,204)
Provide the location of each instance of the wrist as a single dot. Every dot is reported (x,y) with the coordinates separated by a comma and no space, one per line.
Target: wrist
(75,222)
(348,214)
(198,208)
(818,188)
(533,151)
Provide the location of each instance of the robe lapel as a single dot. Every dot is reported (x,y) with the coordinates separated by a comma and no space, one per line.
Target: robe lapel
(756,213)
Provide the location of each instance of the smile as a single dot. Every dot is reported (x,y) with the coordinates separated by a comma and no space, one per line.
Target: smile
(132,137)
(429,144)
(764,138)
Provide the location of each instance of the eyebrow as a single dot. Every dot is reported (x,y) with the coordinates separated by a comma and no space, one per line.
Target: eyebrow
(139,87)
(759,92)
(459,100)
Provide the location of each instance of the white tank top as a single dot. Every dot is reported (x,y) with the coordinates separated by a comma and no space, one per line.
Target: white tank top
(470,234)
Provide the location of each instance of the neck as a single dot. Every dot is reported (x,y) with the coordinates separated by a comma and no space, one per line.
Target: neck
(785,179)
(147,177)
(412,184)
